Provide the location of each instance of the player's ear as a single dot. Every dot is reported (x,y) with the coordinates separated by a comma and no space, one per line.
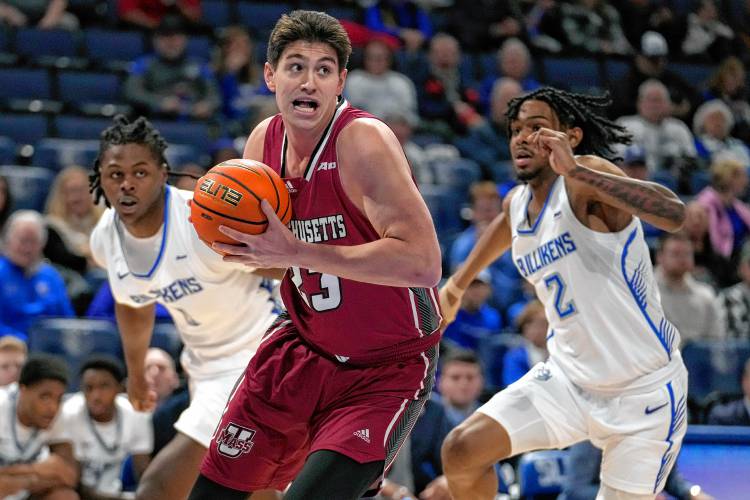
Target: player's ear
(268,72)
(342,80)
(575,136)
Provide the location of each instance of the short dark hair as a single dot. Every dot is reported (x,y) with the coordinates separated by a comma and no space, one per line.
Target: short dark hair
(578,110)
(41,367)
(105,363)
(667,237)
(308,26)
(460,356)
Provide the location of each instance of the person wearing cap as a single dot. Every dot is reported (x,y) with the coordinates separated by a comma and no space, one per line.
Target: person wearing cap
(476,319)
(651,62)
(169,82)
(735,301)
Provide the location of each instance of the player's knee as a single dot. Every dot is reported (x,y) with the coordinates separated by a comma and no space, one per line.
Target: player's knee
(456,451)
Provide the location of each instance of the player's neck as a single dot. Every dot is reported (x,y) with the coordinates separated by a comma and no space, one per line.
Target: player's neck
(301,145)
(540,187)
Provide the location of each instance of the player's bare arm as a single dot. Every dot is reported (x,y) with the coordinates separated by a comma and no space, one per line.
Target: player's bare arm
(136,326)
(376,177)
(495,241)
(610,186)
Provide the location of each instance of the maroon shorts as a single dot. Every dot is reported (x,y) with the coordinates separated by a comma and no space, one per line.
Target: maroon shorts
(293,401)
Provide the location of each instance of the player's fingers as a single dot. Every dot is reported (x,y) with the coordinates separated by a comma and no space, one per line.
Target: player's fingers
(234,234)
(240,259)
(268,210)
(226,248)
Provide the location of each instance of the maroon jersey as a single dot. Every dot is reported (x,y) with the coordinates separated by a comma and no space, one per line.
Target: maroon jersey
(355,322)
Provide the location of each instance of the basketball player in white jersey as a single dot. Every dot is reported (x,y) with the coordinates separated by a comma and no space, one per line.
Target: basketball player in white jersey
(614,374)
(152,254)
(105,429)
(36,454)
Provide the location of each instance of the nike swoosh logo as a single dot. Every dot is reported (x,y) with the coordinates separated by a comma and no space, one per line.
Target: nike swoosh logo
(180,257)
(649,411)
(121,276)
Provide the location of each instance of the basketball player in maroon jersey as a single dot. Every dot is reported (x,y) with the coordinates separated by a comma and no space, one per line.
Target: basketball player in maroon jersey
(338,382)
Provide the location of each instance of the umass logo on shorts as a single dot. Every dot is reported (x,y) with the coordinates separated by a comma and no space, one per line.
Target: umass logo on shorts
(234,440)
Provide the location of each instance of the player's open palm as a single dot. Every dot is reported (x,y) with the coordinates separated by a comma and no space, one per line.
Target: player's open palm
(275,248)
(141,396)
(557,145)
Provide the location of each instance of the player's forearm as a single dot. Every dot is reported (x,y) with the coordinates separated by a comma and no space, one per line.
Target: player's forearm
(649,201)
(495,240)
(136,327)
(387,261)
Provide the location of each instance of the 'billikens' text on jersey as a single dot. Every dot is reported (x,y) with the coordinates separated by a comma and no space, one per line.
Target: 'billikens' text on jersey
(319,229)
(546,253)
(170,293)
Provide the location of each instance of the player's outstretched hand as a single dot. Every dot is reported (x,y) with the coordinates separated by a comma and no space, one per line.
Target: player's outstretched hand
(450,302)
(140,395)
(557,145)
(274,248)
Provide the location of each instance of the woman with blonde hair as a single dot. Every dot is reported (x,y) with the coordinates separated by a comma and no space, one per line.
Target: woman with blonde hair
(728,83)
(71,216)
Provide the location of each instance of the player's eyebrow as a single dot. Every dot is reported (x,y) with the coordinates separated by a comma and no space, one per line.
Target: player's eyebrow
(113,164)
(305,58)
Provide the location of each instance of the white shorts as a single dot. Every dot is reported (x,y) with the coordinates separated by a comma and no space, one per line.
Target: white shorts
(208,397)
(640,433)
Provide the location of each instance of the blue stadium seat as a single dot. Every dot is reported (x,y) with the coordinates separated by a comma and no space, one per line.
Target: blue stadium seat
(443,203)
(576,73)
(541,473)
(665,178)
(195,133)
(165,337)
(75,340)
(695,74)
(105,46)
(24,129)
(7,150)
(179,154)
(199,47)
(34,43)
(76,127)
(261,17)
(17,83)
(28,186)
(491,351)
(715,366)
(615,70)
(55,154)
(216,13)
(76,87)
(458,173)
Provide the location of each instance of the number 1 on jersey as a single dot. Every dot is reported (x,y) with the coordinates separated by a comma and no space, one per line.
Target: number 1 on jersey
(329,285)
(556,284)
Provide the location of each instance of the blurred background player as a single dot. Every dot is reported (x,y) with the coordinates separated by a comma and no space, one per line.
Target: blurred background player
(152,254)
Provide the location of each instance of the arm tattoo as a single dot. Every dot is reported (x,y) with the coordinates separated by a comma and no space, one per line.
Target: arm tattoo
(639,198)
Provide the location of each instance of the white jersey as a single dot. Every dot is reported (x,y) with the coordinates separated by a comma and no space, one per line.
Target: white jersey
(220,309)
(607,329)
(102,448)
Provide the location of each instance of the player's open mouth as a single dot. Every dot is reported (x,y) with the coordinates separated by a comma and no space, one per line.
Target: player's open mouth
(127,204)
(522,158)
(305,105)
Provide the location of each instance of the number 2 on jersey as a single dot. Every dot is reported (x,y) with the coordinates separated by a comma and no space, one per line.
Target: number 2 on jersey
(329,285)
(556,284)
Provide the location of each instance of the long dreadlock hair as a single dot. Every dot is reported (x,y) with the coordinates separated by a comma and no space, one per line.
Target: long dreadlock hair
(140,131)
(578,110)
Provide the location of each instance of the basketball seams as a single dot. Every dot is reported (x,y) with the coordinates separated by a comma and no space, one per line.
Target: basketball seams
(236,219)
(249,191)
(264,169)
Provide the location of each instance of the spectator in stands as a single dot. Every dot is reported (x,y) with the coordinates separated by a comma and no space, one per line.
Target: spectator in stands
(593,26)
(486,141)
(102,306)
(402,20)
(161,374)
(70,215)
(403,123)
(728,84)
(445,98)
(240,76)
(735,300)
(639,16)
(532,324)
(31,415)
(460,384)
(513,61)
(710,267)
(30,287)
(44,14)
(147,14)
(667,141)
(735,412)
(712,123)
(191,172)
(476,319)
(707,37)
(169,82)
(485,24)
(172,396)
(6,202)
(105,429)
(581,481)
(379,89)
(689,305)
(728,216)
(486,203)
(13,354)
(651,63)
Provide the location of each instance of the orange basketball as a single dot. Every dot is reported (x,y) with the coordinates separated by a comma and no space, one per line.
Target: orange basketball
(230,194)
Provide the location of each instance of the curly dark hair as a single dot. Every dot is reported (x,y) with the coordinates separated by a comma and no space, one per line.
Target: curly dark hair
(578,110)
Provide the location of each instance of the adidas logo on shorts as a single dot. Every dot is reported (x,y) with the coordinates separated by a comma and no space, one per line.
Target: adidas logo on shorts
(363,434)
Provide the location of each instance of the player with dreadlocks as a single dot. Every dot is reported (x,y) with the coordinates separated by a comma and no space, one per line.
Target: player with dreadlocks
(153,255)
(614,374)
